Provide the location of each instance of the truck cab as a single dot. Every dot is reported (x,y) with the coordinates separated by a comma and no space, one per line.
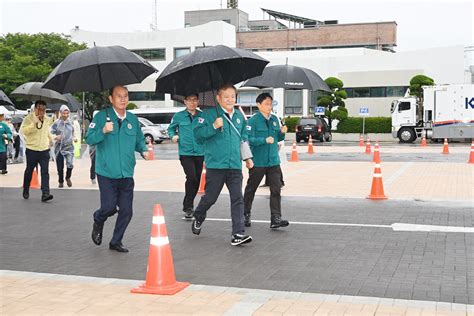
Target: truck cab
(404,119)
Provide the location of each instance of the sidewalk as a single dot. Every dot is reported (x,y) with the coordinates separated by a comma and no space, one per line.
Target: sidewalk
(27,293)
(430,181)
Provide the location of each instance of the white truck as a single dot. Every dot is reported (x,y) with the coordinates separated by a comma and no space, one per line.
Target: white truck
(447,111)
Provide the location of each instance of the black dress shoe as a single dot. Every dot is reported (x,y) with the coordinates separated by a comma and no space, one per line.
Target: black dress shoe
(97,233)
(119,248)
(46,197)
(26,194)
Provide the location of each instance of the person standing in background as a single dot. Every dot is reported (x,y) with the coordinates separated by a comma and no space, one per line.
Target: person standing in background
(6,137)
(64,135)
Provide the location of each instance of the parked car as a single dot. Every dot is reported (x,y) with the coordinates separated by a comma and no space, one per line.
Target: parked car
(314,126)
(152,132)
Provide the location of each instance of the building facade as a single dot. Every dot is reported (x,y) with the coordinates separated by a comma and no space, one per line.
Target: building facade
(372,78)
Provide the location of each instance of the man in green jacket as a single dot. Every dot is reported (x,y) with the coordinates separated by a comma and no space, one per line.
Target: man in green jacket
(221,130)
(5,137)
(191,154)
(264,133)
(117,135)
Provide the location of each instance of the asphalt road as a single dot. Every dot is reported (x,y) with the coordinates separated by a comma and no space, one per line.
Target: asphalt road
(340,246)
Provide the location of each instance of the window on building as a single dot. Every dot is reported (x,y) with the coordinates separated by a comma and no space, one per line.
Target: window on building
(145,96)
(396,91)
(377,92)
(361,92)
(178,52)
(313,100)
(294,102)
(350,92)
(226,20)
(151,54)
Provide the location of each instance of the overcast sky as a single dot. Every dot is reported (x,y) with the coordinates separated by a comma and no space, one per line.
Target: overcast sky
(421,23)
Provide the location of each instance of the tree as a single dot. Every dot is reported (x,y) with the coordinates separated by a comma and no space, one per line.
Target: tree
(132,106)
(334,100)
(25,57)
(416,84)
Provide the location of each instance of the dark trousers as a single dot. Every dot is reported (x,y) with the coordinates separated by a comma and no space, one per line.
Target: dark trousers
(215,179)
(3,159)
(33,158)
(113,193)
(192,166)
(92,170)
(16,145)
(60,168)
(273,176)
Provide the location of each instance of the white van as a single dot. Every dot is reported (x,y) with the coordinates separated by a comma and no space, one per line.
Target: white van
(159,116)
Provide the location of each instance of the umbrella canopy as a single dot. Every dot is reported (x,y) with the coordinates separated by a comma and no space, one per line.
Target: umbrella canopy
(288,77)
(33,91)
(72,103)
(208,68)
(98,69)
(4,99)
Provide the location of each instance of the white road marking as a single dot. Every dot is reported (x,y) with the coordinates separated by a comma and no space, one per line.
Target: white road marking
(395,226)
(398,173)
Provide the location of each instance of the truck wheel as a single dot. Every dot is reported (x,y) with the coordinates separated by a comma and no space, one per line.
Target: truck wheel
(406,135)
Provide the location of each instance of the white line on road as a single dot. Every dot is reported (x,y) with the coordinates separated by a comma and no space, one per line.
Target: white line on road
(395,226)
(398,173)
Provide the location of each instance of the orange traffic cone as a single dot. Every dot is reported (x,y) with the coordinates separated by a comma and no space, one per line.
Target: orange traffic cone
(310,145)
(376,193)
(368,149)
(151,152)
(294,154)
(202,183)
(376,153)
(445,147)
(471,155)
(423,142)
(34,183)
(361,141)
(160,277)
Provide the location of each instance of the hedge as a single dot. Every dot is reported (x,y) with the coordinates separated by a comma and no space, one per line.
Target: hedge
(290,122)
(372,125)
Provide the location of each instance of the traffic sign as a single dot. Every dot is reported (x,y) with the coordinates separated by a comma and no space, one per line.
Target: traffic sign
(319,110)
(364,112)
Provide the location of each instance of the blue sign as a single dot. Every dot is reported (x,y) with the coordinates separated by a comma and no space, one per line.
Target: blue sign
(319,110)
(364,112)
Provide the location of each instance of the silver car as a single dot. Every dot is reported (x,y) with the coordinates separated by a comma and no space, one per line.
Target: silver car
(153,132)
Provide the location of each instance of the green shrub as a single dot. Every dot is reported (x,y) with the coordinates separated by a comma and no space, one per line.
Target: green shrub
(291,123)
(372,125)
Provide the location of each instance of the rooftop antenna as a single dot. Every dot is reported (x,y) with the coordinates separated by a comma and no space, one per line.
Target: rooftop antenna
(154,25)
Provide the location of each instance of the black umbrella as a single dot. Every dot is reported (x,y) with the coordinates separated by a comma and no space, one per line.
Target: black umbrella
(72,104)
(97,69)
(288,77)
(33,91)
(208,68)
(4,99)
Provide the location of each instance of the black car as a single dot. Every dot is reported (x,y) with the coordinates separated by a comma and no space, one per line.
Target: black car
(314,126)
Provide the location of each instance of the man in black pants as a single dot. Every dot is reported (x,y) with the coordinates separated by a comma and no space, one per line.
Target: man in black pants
(264,133)
(191,154)
(35,128)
